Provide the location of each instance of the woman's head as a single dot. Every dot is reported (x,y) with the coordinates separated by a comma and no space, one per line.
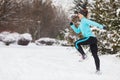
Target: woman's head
(81,13)
(84,12)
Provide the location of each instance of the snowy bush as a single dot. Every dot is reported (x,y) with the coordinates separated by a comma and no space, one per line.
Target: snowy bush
(3,35)
(50,41)
(46,41)
(24,39)
(8,37)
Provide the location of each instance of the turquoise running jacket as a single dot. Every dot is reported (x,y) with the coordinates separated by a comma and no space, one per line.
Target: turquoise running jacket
(84,27)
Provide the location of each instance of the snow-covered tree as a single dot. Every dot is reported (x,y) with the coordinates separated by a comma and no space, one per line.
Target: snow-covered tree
(107,13)
(80,4)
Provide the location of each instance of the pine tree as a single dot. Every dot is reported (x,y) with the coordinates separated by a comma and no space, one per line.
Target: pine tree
(104,12)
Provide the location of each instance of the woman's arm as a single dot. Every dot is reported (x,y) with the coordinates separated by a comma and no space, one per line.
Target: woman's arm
(76,30)
(93,23)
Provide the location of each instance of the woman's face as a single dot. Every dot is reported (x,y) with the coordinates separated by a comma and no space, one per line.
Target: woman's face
(80,15)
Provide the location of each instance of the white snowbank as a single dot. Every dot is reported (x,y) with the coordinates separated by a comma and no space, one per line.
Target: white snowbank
(53,63)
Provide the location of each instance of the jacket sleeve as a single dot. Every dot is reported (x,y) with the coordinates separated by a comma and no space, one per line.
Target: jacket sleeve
(76,30)
(93,23)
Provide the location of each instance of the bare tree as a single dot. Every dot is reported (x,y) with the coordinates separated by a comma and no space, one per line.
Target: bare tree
(8,8)
(40,19)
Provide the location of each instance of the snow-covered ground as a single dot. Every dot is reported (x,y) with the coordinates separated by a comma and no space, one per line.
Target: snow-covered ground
(34,62)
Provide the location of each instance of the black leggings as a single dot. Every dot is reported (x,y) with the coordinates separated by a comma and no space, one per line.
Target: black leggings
(92,41)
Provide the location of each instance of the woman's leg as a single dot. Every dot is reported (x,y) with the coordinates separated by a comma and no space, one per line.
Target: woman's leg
(94,50)
(78,43)
(92,41)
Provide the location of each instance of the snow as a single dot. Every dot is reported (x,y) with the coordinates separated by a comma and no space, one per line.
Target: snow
(11,37)
(118,12)
(44,41)
(26,36)
(3,35)
(47,39)
(34,62)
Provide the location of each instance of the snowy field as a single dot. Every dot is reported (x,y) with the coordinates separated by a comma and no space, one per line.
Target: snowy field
(53,63)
